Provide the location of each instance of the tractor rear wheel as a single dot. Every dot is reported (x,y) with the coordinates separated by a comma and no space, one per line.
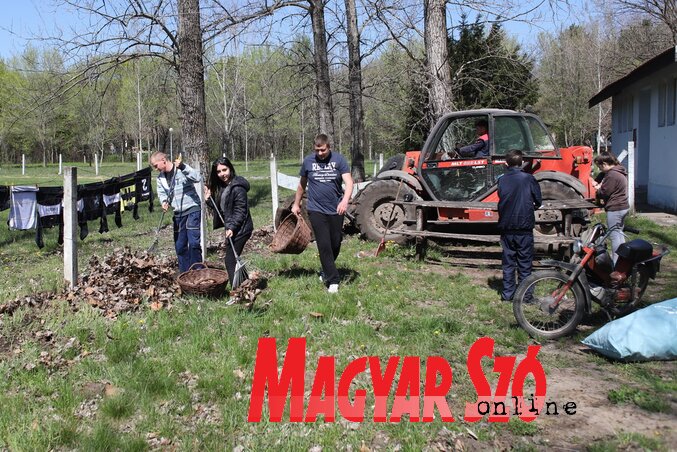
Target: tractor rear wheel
(375,211)
(552,190)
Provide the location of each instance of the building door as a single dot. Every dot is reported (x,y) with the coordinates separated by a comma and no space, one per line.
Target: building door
(642,154)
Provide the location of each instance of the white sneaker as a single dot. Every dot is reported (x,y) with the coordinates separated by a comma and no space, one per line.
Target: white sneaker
(321,276)
(333,288)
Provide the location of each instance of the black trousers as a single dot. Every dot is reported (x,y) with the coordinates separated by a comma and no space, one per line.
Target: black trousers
(328,235)
(238,242)
(518,254)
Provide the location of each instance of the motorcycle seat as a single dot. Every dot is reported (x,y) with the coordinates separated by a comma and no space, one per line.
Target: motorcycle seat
(636,250)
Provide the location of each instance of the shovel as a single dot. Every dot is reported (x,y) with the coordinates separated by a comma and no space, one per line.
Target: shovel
(382,244)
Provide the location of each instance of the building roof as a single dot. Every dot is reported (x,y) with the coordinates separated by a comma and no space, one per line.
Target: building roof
(659,62)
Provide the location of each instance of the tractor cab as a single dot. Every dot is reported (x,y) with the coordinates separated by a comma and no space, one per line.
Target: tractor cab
(464,156)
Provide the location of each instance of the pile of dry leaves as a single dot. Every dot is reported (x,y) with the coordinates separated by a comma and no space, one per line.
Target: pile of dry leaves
(246,293)
(121,282)
(126,281)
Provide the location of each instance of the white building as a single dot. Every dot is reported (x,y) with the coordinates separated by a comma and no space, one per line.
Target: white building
(644,110)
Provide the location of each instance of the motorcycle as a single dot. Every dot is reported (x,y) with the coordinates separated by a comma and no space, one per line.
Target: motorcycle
(550,303)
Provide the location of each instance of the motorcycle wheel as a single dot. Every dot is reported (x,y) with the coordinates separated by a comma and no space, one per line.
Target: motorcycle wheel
(531,305)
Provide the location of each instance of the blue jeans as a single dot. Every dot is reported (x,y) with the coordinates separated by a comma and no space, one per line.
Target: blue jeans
(617,237)
(187,240)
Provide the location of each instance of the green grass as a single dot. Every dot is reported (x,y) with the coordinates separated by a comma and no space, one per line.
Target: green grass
(644,399)
(628,441)
(185,374)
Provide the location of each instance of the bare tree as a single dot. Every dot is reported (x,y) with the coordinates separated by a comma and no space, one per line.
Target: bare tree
(191,81)
(437,58)
(664,11)
(355,93)
(325,111)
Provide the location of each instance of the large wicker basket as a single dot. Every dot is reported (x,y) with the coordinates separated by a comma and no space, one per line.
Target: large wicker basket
(292,237)
(206,281)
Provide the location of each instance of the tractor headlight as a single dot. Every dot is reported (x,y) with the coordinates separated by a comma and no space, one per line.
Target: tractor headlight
(578,246)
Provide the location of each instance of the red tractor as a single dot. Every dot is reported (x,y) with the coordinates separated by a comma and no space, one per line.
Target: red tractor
(442,196)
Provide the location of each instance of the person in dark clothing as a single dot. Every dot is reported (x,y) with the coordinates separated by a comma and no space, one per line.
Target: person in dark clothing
(323,172)
(519,196)
(613,190)
(479,148)
(230,196)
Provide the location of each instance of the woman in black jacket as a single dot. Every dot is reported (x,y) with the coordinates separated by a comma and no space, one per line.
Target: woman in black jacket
(230,195)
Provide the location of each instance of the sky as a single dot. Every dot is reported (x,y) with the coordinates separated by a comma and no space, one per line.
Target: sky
(21,19)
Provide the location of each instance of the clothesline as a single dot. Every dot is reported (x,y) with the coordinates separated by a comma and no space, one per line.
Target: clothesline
(38,208)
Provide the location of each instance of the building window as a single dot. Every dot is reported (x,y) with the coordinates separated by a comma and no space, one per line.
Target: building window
(662,101)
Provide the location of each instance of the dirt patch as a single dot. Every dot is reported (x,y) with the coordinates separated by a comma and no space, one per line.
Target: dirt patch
(588,385)
(579,379)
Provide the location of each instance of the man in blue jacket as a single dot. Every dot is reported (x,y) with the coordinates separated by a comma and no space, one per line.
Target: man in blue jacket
(519,196)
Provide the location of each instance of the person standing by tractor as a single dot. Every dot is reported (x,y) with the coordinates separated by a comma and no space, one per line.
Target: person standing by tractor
(519,196)
(613,190)
(175,186)
(323,172)
(479,148)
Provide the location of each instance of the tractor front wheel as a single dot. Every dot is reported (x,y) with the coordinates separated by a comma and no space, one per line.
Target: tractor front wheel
(375,210)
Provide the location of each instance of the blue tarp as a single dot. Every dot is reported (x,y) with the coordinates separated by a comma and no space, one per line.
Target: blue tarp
(644,335)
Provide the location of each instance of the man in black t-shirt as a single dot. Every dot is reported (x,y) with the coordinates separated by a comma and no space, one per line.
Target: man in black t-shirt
(324,172)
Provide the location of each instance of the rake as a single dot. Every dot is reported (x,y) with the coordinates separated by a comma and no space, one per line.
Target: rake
(241,274)
(153,247)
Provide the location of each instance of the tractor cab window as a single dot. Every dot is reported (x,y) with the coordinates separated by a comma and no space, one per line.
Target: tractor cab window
(459,132)
(525,133)
(451,176)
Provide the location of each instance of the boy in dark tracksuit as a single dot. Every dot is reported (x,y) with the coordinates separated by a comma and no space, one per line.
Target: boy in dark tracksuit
(519,196)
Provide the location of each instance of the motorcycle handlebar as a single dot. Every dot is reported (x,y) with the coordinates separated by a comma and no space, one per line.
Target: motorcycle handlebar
(630,229)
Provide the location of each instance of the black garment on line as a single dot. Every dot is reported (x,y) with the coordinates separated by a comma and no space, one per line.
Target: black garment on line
(91,207)
(50,212)
(112,199)
(4,197)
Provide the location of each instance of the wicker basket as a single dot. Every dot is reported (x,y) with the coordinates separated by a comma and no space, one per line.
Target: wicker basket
(207,281)
(292,237)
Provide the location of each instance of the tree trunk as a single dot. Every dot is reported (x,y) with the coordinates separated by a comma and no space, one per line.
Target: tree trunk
(355,96)
(191,83)
(439,72)
(325,110)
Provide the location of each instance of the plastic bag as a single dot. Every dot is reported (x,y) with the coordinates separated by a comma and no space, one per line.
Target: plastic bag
(644,335)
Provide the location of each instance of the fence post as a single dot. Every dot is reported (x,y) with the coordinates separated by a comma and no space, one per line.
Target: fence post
(60,165)
(380,160)
(273,185)
(138,161)
(96,164)
(70,223)
(375,169)
(23,164)
(203,214)
(631,175)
